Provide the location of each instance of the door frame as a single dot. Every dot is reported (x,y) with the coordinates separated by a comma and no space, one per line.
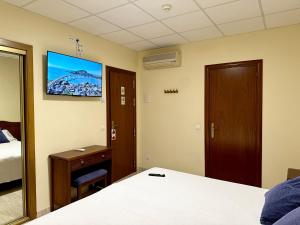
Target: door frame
(259,90)
(28,125)
(108,108)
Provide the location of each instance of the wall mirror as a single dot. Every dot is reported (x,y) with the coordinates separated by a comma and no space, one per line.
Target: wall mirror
(17,171)
(12,199)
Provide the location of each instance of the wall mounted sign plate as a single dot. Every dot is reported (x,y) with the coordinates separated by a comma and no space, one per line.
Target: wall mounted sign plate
(122,90)
(123,100)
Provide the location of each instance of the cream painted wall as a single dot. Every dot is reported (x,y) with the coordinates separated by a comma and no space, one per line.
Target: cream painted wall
(61,123)
(9,89)
(169,138)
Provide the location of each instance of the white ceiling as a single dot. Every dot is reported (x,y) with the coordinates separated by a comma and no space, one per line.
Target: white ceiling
(142,24)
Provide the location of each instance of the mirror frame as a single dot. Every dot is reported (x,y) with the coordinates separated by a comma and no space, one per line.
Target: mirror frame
(29,127)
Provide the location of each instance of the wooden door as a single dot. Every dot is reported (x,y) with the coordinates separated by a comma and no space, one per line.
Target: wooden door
(121,121)
(233,122)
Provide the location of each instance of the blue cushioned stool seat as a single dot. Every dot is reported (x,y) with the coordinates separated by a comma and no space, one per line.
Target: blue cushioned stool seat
(89,178)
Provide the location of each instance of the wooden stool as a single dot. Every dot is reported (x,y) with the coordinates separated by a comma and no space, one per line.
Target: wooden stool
(89,178)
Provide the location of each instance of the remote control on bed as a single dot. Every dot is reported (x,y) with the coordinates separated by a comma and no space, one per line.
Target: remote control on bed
(156,175)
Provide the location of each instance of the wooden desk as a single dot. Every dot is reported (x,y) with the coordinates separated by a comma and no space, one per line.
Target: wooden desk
(65,166)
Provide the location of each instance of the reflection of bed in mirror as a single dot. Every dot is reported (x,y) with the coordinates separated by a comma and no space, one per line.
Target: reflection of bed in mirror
(10,154)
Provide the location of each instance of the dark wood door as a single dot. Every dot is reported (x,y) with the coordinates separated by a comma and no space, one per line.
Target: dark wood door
(233,118)
(121,121)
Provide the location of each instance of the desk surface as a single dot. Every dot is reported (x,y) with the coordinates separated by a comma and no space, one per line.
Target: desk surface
(75,154)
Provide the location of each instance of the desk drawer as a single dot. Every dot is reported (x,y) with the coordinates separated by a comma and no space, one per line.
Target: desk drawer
(90,160)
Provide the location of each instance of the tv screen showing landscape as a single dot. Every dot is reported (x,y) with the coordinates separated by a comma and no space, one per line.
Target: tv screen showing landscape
(73,76)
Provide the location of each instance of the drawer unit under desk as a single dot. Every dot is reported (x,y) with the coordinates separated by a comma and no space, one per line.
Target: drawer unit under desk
(90,160)
(69,164)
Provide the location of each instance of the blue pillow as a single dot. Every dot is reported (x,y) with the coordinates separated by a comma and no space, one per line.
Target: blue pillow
(280,200)
(292,218)
(3,138)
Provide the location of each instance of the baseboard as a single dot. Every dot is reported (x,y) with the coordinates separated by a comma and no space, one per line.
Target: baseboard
(43,212)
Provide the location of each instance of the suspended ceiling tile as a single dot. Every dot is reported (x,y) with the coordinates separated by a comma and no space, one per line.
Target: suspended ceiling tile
(94,25)
(243,9)
(126,16)
(151,30)
(154,7)
(188,21)
(56,9)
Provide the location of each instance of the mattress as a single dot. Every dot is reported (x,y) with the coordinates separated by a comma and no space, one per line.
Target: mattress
(10,161)
(177,199)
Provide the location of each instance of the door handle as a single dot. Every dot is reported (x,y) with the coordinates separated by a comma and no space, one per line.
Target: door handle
(113,134)
(113,131)
(212,130)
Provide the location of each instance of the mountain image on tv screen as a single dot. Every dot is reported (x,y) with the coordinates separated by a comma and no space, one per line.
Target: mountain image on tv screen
(73,76)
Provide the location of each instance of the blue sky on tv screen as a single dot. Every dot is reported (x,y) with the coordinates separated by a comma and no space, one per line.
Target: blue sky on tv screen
(68,63)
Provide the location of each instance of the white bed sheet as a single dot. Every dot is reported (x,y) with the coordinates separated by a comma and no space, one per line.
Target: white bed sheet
(10,161)
(177,199)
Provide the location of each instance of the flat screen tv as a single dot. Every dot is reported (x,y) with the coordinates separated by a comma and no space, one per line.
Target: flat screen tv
(72,76)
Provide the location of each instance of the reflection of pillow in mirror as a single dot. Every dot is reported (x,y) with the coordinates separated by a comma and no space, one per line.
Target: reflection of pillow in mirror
(9,136)
(3,138)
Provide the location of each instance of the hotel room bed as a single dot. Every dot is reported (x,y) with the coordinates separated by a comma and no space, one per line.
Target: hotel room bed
(10,161)
(177,199)
(11,153)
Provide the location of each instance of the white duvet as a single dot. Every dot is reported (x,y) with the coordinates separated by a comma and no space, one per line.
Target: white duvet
(10,161)
(177,199)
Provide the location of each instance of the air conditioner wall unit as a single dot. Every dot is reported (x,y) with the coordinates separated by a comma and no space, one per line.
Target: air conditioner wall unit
(162,60)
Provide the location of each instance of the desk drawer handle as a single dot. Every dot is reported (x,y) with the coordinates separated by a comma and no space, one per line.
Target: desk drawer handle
(103,156)
(81,161)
